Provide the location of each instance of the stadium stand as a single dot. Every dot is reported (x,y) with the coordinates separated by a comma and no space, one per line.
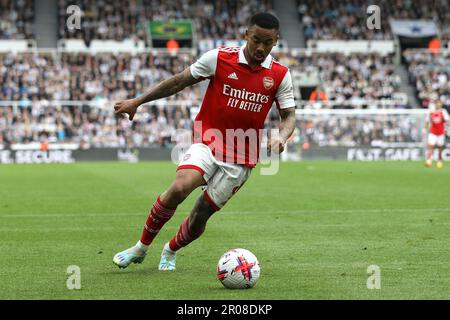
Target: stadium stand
(89,84)
(94,81)
(356,79)
(16,19)
(430,74)
(359,131)
(82,76)
(91,126)
(119,20)
(330,20)
(64,96)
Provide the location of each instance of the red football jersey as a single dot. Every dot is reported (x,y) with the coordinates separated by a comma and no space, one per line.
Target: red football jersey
(437,121)
(236,103)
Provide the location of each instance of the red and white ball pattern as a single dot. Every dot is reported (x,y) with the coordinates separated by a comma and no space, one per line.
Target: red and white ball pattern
(238,269)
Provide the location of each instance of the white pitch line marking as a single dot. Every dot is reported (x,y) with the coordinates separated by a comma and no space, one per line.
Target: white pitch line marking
(143,213)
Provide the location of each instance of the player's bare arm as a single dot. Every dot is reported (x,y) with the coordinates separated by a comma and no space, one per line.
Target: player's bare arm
(287,126)
(164,89)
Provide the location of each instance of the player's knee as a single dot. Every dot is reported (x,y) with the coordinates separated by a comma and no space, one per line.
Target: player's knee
(179,190)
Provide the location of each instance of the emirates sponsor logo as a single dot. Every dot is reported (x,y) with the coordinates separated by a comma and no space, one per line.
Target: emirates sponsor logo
(268,82)
(245,95)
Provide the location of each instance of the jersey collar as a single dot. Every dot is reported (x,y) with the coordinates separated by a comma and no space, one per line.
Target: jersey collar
(267,63)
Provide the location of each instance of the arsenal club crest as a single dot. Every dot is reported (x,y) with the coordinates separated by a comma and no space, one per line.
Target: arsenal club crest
(268,82)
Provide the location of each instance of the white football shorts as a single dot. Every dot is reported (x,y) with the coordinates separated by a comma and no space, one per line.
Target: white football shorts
(435,140)
(223,179)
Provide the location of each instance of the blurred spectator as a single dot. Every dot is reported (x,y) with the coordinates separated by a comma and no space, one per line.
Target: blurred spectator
(430,74)
(172,46)
(16,19)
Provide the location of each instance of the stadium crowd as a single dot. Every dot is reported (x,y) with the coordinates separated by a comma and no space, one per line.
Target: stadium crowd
(16,19)
(430,74)
(360,131)
(92,126)
(106,77)
(122,19)
(156,126)
(94,81)
(346,20)
(218,19)
(352,79)
(90,83)
(103,77)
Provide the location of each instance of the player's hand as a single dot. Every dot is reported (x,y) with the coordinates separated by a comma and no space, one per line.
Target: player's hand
(276,145)
(126,106)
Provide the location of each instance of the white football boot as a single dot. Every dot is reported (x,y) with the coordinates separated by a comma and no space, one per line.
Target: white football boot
(131,255)
(168,259)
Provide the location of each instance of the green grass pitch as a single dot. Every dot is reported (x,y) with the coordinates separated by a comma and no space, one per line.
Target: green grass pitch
(315,226)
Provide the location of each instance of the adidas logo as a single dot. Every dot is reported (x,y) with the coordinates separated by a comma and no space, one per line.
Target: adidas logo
(233,76)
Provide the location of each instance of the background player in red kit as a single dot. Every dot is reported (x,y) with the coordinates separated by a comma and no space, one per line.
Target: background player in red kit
(244,83)
(436,121)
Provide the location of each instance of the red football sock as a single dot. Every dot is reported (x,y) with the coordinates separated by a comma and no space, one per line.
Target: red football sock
(183,237)
(159,215)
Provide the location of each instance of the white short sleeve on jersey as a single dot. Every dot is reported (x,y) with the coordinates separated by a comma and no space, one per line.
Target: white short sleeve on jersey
(446,115)
(285,93)
(206,65)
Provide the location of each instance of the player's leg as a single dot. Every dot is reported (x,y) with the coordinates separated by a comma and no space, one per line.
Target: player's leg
(429,156)
(430,149)
(221,187)
(440,146)
(162,210)
(196,222)
(440,163)
(191,229)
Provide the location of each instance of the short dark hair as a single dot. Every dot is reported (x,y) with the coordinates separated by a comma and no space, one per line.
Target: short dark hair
(264,20)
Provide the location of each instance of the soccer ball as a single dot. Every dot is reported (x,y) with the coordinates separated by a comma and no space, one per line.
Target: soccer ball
(238,269)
